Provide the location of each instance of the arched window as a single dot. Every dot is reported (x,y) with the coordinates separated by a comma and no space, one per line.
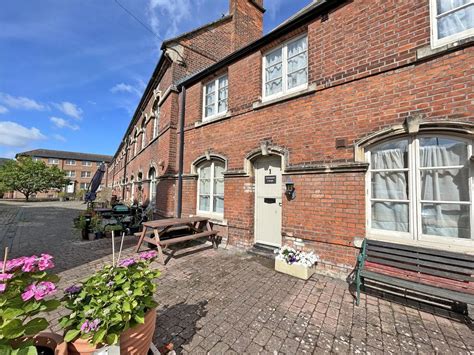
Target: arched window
(144,138)
(156,117)
(421,188)
(152,193)
(132,188)
(211,188)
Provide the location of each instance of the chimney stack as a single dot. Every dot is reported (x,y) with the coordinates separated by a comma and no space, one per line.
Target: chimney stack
(247,21)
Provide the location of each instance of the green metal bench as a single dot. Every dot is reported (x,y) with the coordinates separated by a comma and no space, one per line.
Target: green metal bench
(442,274)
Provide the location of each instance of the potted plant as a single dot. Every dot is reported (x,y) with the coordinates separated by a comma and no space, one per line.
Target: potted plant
(81,223)
(295,263)
(116,228)
(62,196)
(96,227)
(25,288)
(115,306)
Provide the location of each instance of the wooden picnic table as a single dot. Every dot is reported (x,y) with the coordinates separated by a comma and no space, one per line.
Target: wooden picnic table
(155,232)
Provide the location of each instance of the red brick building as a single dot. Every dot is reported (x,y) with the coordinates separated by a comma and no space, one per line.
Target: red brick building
(365,108)
(79,168)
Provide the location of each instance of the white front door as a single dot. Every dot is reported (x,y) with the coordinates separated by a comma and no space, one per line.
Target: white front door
(70,187)
(268,200)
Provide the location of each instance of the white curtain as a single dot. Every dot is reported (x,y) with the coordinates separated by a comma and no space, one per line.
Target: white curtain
(297,63)
(457,21)
(391,185)
(449,220)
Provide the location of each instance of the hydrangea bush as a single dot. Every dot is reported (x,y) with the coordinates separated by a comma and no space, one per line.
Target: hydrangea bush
(293,256)
(24,286)
(111,301)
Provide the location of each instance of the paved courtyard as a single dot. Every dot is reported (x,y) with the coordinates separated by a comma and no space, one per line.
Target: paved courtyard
(227,301)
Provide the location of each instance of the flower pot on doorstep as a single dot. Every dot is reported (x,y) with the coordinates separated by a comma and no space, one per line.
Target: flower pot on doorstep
(136,340)
(296,270)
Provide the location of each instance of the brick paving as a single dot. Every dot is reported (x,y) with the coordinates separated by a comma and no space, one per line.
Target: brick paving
(227,301)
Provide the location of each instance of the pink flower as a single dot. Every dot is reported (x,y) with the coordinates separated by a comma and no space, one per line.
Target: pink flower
(127,262)
(38,291)
(13,264)
(2,288)
(148,255)
(45,262)
(30,264)
(4,277)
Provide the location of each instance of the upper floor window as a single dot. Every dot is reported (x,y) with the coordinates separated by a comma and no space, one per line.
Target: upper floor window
(451,20)
(36,159)
(86,163)
(85,174)
(70,162)
(286,68)
(53,161)
(211,188)
(420,188)
(70,173)
(216,97)
(156,121)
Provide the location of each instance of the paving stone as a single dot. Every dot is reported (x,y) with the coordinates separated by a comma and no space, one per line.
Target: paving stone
(225,301)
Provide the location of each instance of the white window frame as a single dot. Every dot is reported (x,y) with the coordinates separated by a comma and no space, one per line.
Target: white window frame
(70,173)
(284,71)
(86,174)
(156,120)
(86,163)
(435,41)
(216,103)
(53,161)
(86,184)
(210,213)
(70,162)
(415,234)
(152,188)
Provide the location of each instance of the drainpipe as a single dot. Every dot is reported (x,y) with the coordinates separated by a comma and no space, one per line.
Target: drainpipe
(179,206)
(125,170)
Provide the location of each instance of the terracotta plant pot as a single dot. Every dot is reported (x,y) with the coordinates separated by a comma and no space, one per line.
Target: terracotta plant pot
(134,341)
(52,341)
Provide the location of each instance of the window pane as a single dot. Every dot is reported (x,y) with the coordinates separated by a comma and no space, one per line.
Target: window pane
(210,99)
(223,82)
(442,152)
(445,185)
(204,204)
(390,216)
(210,88)
(205,186)
(273,87)
(446,220)
(297,63)
(446,5)
(209,110)
(219,186)
(273,72)
(297,78)
(392,155)
(273,58)
(219,204)
(390,185)
(297,47)
(456,22)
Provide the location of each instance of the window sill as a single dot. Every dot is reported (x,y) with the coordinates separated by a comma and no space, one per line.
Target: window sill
(219,220)
(264,103)
(428,51)
(213,119)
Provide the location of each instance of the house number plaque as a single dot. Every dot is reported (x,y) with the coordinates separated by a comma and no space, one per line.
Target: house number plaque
(270,179)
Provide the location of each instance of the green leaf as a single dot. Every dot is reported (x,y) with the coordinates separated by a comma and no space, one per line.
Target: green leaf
(29,350)
(12,313)
(139,318)
(13,329)
(35,326)
(126,307)
(99,336)
(6,349)
(71,335)
(51,305)
(112,339)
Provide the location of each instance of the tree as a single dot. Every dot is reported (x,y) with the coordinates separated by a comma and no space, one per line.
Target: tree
(30,177)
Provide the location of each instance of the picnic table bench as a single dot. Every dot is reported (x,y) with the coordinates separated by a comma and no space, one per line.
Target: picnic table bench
(443,274)
(157,232)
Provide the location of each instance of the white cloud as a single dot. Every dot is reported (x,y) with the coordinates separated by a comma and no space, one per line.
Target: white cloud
(175,11)
(62,123)
(22,103)
(14,135)
(122,87)
(70,109)
(3,109)
(59,137)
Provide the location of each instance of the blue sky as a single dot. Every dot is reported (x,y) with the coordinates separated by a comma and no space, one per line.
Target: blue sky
(72,72)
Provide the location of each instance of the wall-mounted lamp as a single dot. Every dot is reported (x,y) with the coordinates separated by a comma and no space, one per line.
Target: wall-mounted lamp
(290,190)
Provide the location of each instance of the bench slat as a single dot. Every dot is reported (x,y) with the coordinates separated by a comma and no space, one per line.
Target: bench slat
(429,290)
(421,278)
(416,261)
(436,252)
(187,237)
(424,270)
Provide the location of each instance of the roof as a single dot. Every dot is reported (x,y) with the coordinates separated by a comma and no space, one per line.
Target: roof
(59,154)
(316,8)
